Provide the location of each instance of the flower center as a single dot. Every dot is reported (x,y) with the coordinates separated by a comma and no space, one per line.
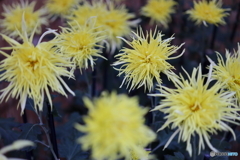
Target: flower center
(63,3)
(110,24)
(147,58)
(33,64)
(236,80)
(82,47)
(195,107)
(206,12)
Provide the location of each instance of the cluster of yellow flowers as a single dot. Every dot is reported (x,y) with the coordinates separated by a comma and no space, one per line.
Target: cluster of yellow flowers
(115,20)
(114,127)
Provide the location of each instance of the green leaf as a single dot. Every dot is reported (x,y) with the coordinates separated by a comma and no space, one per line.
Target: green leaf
(163,136)
(220,145)
(55,111)
(177,156)
(7,132)
(63,130)
(237,135)
(30,131)
(70,149)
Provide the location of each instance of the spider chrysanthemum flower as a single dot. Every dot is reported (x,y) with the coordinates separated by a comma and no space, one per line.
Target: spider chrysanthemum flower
(208,12)
(81,43)
(114,127)
(146,59)
(197,108)
(33,70)
(227,71)
(12,20)
(62,7)
(116,21)
(159,11)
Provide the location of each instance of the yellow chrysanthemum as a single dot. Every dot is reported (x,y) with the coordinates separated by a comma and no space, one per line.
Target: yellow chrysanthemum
(208,12)
(115,127)
(146,59)
(60,7)
(12,20)
(227,71)
(114,20)
(81,43)
(33,70)
(197,108)
(159,11)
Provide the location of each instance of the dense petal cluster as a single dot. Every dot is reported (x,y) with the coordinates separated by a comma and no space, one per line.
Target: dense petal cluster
(159,11)
(208,12)
(227,72)
(12,21)
(62,7)
(81,43)
(33,70)
(147,58)
(114,127)
(197,108)
(114,20)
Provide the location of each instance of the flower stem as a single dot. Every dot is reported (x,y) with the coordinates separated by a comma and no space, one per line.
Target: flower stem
(94,74)
(194,147)
(153,104)
(203,46)
(24,116)
(151,115)
(213,37)
(106,70)
(29,154)
(49,143)
(52,131)
(88,84)
(235,24)
(39,114)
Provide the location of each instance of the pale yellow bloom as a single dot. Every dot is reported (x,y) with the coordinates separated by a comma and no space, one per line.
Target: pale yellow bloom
(81,43)
(12,21)
(33,70)
(195,107)
(227,71)
(146,59)
(146,157)
(159,11)
(114,127)
(116,21)
(60,7)
(208,12)
(16,145)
